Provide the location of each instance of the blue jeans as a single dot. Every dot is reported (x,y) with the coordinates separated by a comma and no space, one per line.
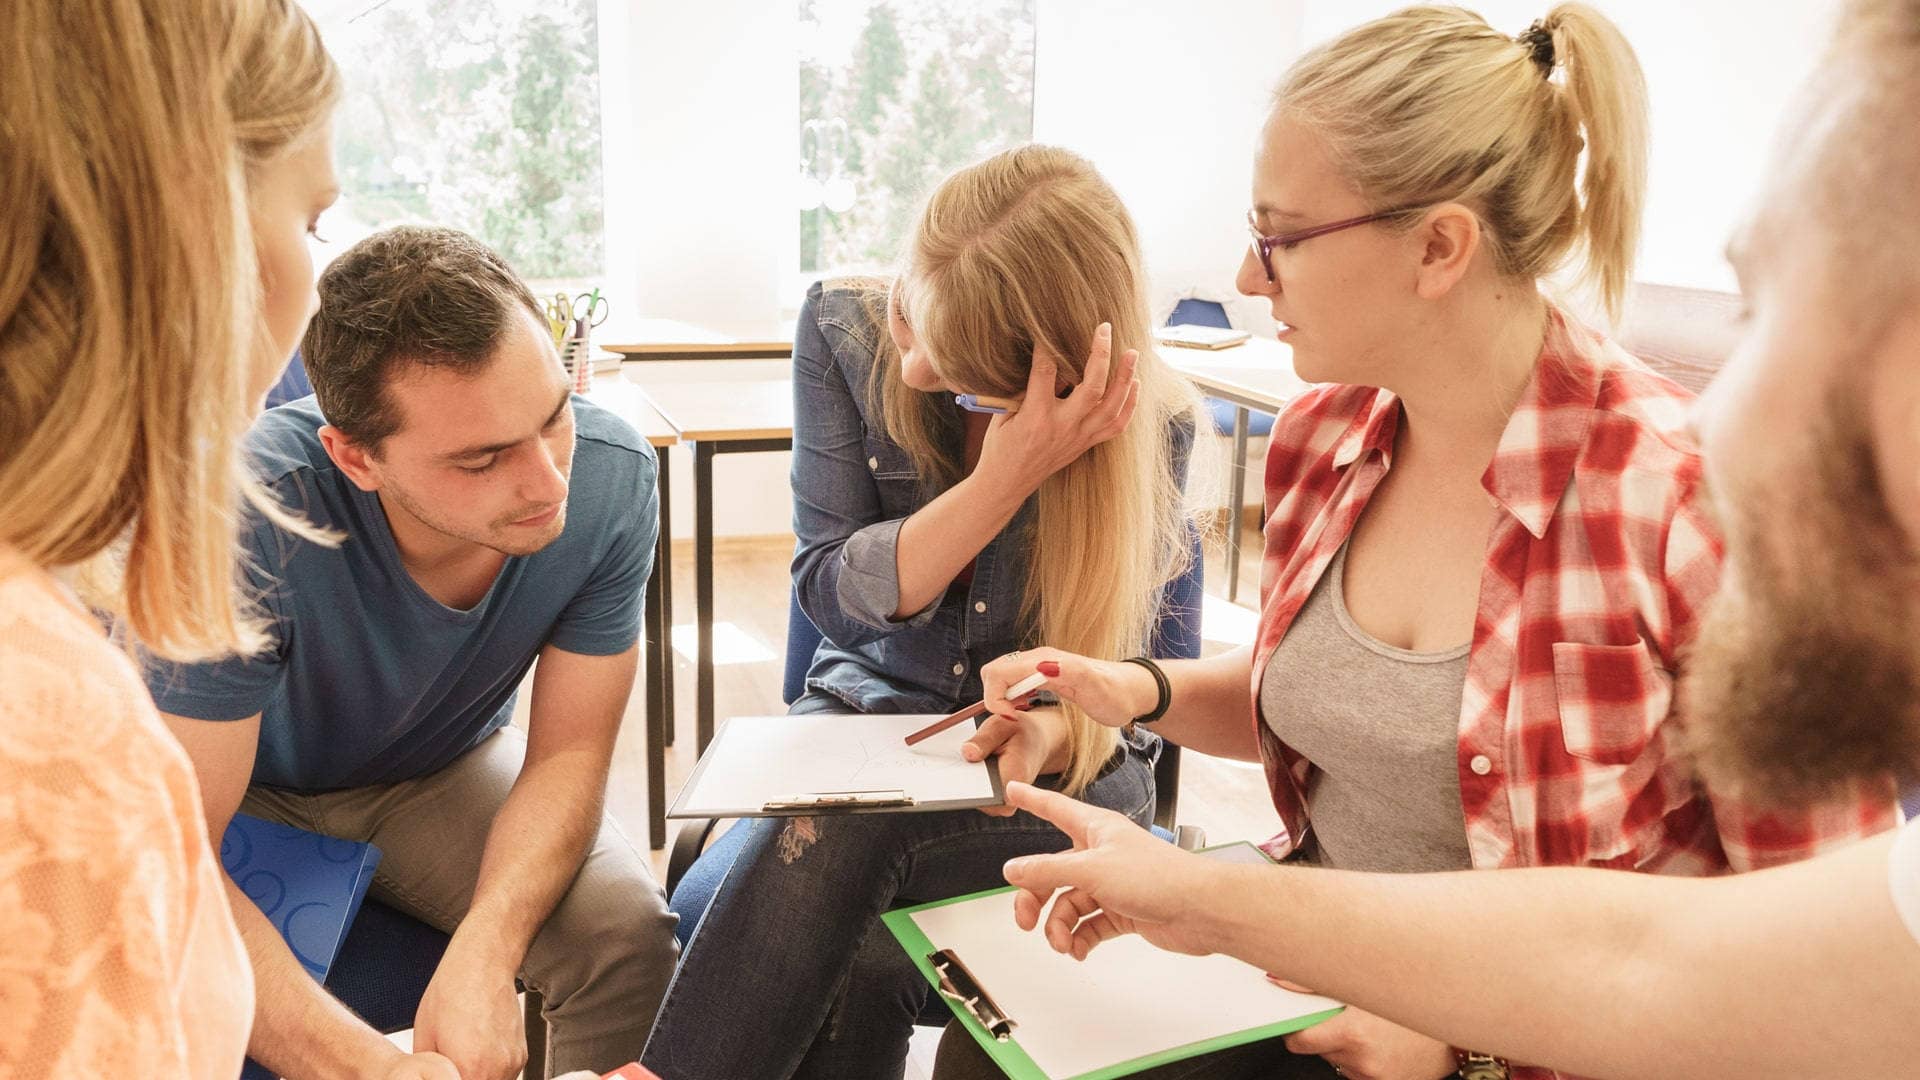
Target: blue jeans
(790,971)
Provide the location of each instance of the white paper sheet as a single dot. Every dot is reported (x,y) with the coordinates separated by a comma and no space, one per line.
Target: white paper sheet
(759,759)
(1128,999)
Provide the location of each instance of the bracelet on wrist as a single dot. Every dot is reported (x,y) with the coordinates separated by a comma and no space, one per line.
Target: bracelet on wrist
(1160,682)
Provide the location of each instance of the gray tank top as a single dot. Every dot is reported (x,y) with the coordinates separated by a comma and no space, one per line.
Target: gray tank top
(1381,726)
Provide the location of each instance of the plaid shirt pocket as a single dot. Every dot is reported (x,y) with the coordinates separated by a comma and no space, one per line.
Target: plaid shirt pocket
(1612,698)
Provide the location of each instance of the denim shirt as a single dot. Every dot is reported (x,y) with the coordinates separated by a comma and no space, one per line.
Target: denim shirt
(853,488)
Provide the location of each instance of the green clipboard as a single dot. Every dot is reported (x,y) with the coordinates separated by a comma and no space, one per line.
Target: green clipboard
(1015,1061)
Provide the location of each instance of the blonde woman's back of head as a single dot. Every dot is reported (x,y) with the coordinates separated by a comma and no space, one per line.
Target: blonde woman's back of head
(129,296)
(1033,248)
(1431,104)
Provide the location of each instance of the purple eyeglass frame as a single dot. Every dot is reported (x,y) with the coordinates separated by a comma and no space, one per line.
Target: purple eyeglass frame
(1263,245)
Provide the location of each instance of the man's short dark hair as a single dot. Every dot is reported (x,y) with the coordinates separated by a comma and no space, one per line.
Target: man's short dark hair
(412,294)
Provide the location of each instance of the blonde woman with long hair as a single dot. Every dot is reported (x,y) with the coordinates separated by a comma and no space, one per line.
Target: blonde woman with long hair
(1489,549)
(161,168)
(933,539)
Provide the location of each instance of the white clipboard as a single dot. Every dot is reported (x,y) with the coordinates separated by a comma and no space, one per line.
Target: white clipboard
(1042,1015)
(778,766)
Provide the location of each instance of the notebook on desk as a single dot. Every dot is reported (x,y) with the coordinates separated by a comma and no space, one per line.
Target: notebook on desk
(1188,336)
(775,766)
(1042,1015)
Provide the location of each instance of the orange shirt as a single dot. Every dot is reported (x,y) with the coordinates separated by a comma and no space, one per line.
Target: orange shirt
(118,953)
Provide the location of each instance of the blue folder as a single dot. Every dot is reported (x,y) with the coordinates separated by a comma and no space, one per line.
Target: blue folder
(309,887)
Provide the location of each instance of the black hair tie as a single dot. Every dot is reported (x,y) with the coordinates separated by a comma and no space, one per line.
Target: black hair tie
(1538,41)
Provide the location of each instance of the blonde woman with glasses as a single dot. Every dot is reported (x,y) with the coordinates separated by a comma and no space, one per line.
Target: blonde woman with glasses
(161,166)
(933,539)
(1489,550)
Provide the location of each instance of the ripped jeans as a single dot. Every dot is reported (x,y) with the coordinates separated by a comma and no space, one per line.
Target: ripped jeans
(791,972)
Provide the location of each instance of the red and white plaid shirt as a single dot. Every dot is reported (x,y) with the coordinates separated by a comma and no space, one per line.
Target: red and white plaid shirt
(1599,568)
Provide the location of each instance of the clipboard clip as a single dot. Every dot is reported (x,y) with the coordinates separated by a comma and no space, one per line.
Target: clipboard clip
(958,986)
(840,800)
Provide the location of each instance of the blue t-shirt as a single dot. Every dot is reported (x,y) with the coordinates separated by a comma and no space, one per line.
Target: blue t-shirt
(371,680)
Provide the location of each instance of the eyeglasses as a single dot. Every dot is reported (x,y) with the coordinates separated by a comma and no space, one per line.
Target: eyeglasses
(1263,245)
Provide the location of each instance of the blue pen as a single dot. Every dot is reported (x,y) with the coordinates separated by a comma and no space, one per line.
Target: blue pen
(982,404)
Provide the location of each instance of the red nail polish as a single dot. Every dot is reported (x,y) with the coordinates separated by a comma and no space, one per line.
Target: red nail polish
(1049,668)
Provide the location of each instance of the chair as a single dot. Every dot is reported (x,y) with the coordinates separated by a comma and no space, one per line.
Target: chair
(1233,420)
(293,383)
(383,969)
(1192,312)
(1176,635)
(803,640)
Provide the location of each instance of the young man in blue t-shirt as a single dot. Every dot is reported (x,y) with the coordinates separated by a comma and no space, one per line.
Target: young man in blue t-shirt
(486,518)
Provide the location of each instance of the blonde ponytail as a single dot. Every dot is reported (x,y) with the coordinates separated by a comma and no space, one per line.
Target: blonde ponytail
(1430,104)
(1607,97)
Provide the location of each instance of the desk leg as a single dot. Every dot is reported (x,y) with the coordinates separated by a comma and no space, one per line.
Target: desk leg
(658,654)
(1238,494)
(663,557)
(703,587)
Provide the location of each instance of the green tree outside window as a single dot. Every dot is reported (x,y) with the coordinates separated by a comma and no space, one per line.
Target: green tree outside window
(923,88)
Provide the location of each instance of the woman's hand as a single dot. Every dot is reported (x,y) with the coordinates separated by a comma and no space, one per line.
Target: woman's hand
(1047,433)
(1365,1047)
(1110,692)
(1027,744)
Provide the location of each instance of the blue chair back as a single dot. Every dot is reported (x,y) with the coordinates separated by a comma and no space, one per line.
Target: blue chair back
(1193,312)
(1910,802)
(293,384)
(1176,636)
(803,638)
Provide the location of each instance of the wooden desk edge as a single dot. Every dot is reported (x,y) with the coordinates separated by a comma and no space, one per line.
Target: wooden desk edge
(643,353)
(735,434)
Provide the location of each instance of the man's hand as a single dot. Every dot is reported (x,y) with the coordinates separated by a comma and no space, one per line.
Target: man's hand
(1119,879)
(1364,1047)
(421,1065)
(1027,745)
(471,1014)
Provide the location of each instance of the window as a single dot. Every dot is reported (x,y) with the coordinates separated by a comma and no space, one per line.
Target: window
(479,114)
(893,96)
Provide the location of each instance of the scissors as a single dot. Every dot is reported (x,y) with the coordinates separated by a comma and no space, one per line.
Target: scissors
(592,307)
(563,311)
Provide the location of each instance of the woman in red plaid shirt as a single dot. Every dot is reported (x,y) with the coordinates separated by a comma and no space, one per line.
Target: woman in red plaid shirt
(1488,546)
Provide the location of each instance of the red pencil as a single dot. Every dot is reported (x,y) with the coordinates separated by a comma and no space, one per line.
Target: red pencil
(1020,689)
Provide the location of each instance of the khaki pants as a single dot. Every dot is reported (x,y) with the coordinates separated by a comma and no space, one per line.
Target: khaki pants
(604,957)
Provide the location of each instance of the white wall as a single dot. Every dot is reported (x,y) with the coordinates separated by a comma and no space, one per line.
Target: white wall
(700,103)
(701,156)
(1167,99)
(1719,75)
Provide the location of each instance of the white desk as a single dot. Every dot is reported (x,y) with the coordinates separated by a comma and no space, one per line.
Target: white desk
(1256,374)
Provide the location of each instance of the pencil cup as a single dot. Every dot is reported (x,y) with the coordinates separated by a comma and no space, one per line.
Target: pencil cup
(577,357)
